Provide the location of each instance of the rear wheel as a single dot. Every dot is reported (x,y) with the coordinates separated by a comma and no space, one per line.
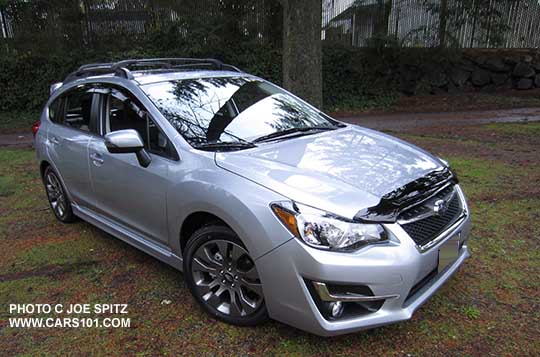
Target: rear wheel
(223,278)
(58,200)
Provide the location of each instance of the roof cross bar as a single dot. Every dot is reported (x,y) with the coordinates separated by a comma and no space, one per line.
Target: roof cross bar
(167,61)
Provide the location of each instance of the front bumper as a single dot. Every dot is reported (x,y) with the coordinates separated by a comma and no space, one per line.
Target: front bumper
(392,269)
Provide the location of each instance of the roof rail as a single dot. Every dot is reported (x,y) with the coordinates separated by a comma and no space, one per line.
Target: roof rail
(120,68)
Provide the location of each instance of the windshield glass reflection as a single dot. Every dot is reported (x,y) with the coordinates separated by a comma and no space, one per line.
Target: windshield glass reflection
(231,109)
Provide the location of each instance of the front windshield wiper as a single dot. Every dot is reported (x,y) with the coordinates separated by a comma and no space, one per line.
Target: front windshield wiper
(293,132)
(224,146)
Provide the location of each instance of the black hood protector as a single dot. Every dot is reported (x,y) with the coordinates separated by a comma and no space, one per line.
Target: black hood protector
(411,194)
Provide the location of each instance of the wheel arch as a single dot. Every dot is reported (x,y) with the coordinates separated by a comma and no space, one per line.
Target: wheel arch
(42,167)
(218,195)
(194,222)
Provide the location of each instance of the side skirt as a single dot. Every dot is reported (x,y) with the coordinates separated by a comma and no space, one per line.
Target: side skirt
(129,237)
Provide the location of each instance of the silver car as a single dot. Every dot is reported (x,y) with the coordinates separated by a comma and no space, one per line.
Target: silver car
(269,207)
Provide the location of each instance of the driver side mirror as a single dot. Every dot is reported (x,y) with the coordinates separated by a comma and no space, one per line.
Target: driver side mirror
(127,141)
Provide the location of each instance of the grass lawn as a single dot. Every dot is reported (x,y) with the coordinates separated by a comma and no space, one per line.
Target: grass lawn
(490,307)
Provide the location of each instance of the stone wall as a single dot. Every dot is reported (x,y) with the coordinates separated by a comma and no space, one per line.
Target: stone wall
(473,70)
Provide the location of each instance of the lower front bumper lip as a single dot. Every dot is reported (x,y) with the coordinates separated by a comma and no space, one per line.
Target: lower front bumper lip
(325,295)
(394,314)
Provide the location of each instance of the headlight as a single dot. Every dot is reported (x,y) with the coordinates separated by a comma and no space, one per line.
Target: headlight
(324,230)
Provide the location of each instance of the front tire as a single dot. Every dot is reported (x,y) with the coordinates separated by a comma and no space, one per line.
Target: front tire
(223,278)
(58,199)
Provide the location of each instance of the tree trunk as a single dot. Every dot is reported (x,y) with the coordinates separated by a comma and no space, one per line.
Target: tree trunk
(383,18)
(302,49)
(442,23)
(474,24)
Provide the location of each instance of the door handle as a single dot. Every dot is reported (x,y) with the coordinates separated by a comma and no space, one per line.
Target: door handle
(55,140)
(97,159)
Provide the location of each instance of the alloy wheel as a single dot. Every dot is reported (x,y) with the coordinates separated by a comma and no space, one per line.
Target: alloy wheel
(56,195)
(226,279)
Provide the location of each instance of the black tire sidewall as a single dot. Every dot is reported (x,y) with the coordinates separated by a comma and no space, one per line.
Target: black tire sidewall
(199,238)
(68,216)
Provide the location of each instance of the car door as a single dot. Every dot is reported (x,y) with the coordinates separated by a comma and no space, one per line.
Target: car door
(127,193)
(74,124)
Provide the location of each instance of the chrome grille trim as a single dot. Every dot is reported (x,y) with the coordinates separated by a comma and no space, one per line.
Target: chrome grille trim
(419,211)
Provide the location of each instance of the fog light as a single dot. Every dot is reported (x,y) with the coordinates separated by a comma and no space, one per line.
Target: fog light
(336,309)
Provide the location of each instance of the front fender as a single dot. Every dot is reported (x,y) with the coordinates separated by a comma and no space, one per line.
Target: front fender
(242,204)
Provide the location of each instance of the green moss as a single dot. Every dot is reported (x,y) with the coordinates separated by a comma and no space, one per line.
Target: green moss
(25,290)
(483,177)
(12,159)
(526,128)
(471,312)
(7,186)
(82,248)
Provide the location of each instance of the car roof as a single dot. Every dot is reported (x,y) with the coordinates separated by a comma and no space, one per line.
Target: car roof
(142,78)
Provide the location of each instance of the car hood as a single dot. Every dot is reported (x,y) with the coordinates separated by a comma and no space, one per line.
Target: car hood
(341,171)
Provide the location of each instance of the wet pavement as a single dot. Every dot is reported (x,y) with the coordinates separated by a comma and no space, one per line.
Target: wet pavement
(17,140)
(411,121)
(391,122)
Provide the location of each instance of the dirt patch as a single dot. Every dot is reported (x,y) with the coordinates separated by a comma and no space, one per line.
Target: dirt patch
(517,147)
(52,271)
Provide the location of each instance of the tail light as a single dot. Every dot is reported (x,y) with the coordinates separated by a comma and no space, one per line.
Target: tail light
(35,127)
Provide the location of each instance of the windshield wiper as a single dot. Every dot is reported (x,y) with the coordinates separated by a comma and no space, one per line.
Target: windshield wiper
(293,132)
(224,146)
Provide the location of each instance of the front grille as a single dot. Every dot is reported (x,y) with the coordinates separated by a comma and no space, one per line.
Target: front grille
(418,210)
(427,229)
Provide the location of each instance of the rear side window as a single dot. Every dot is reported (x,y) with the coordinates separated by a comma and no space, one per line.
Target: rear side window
(54,111)
(78,108)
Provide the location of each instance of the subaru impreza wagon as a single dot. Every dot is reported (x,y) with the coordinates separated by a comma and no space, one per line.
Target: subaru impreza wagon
(270,207)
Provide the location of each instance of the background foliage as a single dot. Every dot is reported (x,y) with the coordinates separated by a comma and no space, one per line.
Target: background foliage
(50,38)
(353,79)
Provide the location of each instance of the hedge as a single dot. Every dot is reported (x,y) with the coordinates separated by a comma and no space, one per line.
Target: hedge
(349,79)
(26,77)
(353,78)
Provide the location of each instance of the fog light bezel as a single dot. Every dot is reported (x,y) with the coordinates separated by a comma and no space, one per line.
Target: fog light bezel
(360,300)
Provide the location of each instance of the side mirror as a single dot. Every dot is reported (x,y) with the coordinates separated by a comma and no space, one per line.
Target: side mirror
(125,142)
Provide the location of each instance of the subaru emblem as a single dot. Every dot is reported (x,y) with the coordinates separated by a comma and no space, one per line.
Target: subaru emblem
(440,207)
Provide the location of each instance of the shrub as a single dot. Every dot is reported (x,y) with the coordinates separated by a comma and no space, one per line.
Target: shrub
(26,77)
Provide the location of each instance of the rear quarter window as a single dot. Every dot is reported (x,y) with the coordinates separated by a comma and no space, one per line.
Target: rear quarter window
(54,110)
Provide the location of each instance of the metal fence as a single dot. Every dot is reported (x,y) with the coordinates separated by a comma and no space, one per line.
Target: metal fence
(113,22)
(422,23)
(409,23)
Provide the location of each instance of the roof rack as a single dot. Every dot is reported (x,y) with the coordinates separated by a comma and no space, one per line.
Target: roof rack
(120,68)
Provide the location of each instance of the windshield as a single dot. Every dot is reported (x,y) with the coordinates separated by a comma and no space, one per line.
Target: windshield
(239,110)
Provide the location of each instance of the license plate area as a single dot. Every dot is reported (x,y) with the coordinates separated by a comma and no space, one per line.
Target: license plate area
(449,252)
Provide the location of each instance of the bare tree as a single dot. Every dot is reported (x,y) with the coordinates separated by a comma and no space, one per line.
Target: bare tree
(302,49)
